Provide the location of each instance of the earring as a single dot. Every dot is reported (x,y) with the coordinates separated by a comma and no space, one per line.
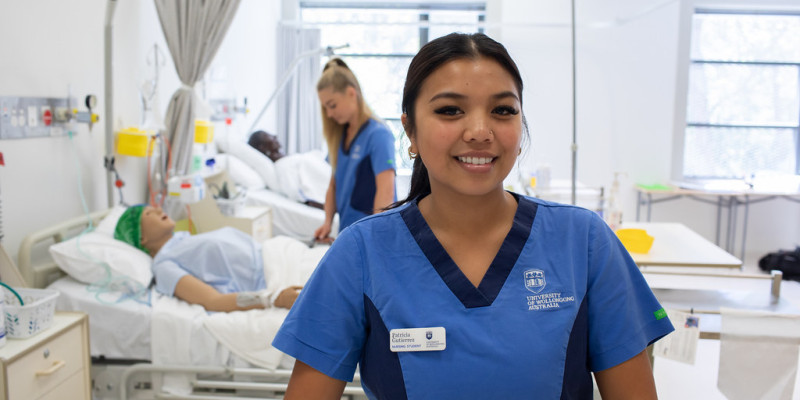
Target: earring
(519,153)
(411,154)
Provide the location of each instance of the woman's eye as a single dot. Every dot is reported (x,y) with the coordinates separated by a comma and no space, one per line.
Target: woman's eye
(506,110)
(448,110)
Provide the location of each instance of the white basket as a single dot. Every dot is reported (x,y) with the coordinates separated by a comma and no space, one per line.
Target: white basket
(35,316)
(231,207)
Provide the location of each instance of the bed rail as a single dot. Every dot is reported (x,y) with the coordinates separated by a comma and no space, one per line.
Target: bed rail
(42,274)
(269,384)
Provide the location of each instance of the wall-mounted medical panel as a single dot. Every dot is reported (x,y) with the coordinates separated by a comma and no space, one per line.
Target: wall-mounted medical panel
(27,117)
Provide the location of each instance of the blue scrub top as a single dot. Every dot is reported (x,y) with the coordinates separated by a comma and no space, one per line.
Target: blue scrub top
(561,299)
(227,259)
(370,153)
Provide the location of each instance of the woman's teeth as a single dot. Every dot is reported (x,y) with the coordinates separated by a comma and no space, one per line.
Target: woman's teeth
(475,160)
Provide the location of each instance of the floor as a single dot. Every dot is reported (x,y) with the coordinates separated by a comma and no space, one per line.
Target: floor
(676,380)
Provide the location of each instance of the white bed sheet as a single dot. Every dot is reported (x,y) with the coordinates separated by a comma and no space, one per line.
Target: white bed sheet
(118,331)
(290,218)
(123,330)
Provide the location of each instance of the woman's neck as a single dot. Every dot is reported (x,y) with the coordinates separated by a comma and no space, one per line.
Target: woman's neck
(354,126)
(468,215)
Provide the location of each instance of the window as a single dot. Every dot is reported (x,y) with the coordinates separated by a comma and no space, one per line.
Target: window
(382,38)
(743,106)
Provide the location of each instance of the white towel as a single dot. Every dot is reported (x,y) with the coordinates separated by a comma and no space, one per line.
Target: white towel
(249,334)
(758,354)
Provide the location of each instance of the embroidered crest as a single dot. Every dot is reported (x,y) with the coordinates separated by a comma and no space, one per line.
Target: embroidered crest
(534,280)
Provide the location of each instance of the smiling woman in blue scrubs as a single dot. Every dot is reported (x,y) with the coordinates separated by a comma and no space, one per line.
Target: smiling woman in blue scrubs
(360,150)
(464,290)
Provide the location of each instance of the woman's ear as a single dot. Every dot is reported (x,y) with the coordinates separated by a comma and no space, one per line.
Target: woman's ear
(351,92)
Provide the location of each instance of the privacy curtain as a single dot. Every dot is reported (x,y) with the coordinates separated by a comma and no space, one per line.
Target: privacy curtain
(194,30)
(299,125)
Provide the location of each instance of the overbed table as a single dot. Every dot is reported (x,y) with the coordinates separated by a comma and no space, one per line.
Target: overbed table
(675,245)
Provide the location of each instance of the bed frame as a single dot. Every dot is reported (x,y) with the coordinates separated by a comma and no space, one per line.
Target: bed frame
(137,379)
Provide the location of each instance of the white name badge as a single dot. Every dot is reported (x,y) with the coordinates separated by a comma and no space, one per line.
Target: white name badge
(417,339)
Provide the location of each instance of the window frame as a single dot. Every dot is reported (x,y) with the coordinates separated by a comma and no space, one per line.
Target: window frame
(423,8)
(685,63)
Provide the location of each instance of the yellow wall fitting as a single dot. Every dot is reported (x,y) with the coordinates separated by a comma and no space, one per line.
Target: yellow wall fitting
(134,142)
(203,131)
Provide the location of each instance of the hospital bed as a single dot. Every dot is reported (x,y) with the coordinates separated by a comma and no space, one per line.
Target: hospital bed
(250,171)
(289,217)
(121,338)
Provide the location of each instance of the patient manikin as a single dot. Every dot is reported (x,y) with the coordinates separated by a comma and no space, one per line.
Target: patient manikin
(267,144)
(221,270)
(292,165)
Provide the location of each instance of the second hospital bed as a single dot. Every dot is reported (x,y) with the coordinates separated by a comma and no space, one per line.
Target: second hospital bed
(164,348)
(283,185)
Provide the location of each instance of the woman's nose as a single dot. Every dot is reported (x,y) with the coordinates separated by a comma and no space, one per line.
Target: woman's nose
(478,130)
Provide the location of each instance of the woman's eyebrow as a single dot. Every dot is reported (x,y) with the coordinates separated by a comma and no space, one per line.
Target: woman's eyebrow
(505,94)
(458,96)
(447,95)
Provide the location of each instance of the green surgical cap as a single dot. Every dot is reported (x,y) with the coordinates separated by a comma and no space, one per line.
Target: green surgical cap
(129,227)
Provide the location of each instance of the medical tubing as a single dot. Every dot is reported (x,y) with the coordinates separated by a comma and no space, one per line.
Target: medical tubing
(169,166)
(21,303)
(80,181)
(189,218)
(166,171)
(149,179)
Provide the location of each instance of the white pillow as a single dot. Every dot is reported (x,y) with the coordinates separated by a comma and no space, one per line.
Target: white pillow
(242,174)
(109,223)
(87,256)
(257,161)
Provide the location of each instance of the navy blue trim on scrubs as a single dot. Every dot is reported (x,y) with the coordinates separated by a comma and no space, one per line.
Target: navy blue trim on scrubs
(346,149)
(381,373)
(496,275)
(364,190)
(577,382)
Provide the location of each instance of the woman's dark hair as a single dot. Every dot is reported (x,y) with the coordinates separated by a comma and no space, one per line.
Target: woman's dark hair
(432,56)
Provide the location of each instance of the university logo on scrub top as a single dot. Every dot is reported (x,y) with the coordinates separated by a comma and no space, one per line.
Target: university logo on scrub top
(534,280)
(552,300)
(428,335)
(356,154)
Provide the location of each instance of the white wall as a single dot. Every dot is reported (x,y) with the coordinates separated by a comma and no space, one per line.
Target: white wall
(629,72)
(631,65)
(50,45)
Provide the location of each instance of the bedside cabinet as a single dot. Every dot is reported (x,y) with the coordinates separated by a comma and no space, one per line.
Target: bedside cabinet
(255,221)
(52,364)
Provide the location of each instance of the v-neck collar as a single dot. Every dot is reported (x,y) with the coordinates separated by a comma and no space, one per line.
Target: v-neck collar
(346,149)
(499,269)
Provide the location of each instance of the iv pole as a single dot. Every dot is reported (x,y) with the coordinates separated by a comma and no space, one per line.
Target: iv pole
(289,72)
(109,97)
(574,147)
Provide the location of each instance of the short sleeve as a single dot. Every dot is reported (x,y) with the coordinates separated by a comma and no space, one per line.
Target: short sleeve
(624,314)
(167,274)
(382,152)
(326,326)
